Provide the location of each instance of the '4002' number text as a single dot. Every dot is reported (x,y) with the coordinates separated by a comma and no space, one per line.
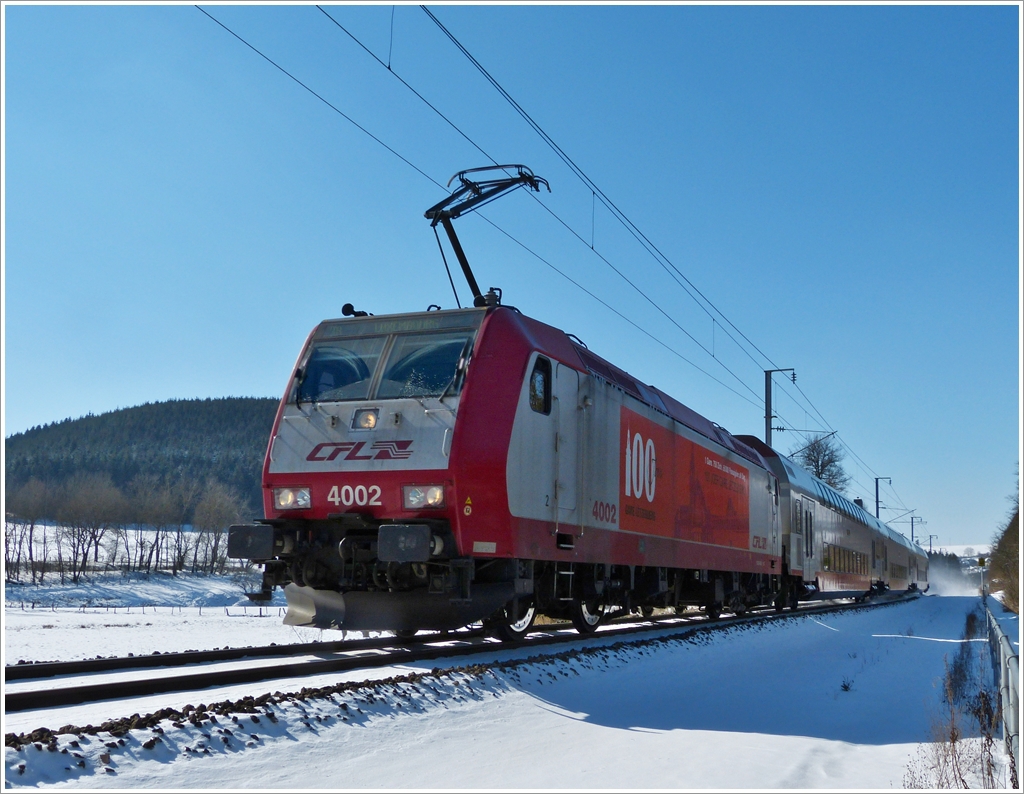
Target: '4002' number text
(360,495)
(604,512)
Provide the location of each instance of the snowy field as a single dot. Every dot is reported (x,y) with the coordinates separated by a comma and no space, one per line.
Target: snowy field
(829,702)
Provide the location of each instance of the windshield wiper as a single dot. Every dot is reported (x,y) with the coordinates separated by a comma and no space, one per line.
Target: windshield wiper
(460,368)
(300,378)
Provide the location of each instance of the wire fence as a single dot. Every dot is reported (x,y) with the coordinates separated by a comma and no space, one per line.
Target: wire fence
(237,611)
(1006,673)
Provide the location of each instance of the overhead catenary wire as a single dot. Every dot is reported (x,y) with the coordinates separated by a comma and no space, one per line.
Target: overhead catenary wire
(644,241)
(438,184)
(597,194)
(624,317)
(558,218)
(333,107)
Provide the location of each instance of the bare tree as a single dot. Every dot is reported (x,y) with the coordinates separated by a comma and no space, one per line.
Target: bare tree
(31,503)
(824,459)
(72,541)
(144,496)
(90,507)
(14,546)
(155,511)
(217,510)
(187,494)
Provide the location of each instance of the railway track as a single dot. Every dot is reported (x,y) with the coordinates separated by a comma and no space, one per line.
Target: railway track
(34,670)
(276,662)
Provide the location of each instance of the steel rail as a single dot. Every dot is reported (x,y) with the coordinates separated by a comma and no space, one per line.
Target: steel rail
(53,697)
(37,670)
(31,670)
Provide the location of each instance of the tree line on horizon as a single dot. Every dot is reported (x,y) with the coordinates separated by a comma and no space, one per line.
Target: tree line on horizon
(141,489)
(179,440)
(88,524)
(1004,562)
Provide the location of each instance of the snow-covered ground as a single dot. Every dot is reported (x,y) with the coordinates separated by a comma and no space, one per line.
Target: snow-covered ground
(844,701)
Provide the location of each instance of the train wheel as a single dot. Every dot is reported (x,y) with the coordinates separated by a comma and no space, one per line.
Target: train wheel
(713,611)
(405,634)
(646,611)
(510,627)
(587,614)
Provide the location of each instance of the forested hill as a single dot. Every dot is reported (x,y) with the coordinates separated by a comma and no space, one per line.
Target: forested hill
(198,440)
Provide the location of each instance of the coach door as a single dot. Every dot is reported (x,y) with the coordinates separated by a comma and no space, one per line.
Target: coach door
(796,538)
(565,402)
(775,515)
(808,538)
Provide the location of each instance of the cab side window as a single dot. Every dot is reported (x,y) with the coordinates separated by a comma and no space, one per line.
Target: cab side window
(540,386)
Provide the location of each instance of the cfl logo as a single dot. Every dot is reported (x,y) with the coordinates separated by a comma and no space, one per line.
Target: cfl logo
(641,466)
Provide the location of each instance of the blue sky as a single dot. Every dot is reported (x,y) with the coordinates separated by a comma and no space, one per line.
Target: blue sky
(842,183)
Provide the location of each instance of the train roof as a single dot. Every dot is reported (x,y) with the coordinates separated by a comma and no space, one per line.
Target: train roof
(665,404)
(399,323)
(796,475)
(560,346)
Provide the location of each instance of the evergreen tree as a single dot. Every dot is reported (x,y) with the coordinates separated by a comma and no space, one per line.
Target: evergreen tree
(178,441)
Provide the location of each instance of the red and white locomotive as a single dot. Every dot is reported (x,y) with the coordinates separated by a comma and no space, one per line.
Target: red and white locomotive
(430,470)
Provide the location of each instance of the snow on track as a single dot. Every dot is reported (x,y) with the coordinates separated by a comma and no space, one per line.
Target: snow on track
(753,707)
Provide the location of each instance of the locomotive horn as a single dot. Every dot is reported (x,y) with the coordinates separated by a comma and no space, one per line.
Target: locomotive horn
(348,310)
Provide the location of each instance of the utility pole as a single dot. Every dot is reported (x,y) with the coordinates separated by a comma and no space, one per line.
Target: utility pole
(912,526)
(876,492)
(768,415)
(930,542)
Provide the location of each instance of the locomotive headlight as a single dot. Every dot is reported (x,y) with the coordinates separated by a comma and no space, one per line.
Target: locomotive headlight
(365,418)
(417,497)
(291,498)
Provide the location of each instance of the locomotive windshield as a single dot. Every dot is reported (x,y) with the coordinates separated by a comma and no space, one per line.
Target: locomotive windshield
(341,369)
(423,365)
(354,360)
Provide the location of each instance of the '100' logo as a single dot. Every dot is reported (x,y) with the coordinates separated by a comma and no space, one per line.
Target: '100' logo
(641,466)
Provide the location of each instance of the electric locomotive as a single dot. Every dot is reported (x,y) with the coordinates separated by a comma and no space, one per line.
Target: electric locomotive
(433,469)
